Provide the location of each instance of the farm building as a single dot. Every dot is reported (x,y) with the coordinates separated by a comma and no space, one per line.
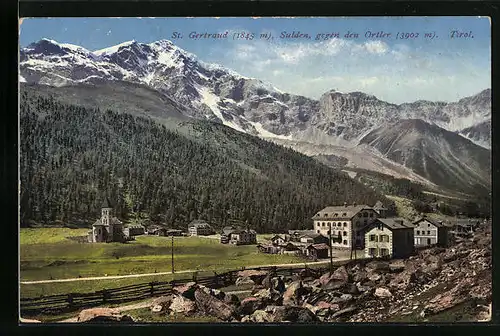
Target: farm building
(107,228)
(200,228)
(389,238)
(346,221)
(134,230)
(289,248)
(271,249)
(313,238)
(294,235)
(431,232)
(277,240)
(243,237)
(317,251)
(465,227)
(380,209)
(173,232)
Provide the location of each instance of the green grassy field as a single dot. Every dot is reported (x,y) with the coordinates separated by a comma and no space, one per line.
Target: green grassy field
(47,253)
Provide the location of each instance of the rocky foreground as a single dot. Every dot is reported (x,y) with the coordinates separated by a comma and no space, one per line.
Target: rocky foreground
(453,284)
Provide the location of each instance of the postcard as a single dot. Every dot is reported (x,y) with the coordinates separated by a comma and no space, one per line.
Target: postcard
(255,170)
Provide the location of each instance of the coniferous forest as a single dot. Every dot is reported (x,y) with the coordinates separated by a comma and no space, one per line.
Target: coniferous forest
(71,157)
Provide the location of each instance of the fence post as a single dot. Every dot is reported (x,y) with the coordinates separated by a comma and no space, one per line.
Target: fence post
(152,289)
(104,295)
(70,300)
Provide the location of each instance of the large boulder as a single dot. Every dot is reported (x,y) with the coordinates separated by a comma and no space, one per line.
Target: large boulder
(250,304)
(291,314)
(161,303)
(182,305)
(403,280)
(210,305)
(99,315)
(242,281)
(187,290)
(378,266)
(338,279)
(295,293)
(255,275)
(258,316)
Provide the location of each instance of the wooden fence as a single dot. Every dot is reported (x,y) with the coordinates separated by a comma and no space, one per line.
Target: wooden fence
(57,304)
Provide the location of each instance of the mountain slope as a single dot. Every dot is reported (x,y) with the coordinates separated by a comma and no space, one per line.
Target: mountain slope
(247,104)
(480,134)
(442,157)
(73,156)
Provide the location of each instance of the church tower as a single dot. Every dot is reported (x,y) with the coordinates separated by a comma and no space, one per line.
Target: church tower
(106,209)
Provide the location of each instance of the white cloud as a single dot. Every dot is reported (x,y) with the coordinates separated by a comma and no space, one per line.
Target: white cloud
(376,47)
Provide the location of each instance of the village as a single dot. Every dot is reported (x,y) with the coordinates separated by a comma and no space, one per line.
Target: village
(336,229)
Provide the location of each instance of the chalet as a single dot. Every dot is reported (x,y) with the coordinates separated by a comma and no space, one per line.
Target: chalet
(431,232)
(243,237)
(345,221)
(277,240)
(313,238)
(152,229)
(107,228)
(134,230)
(173,232)
(200,228)
(465,227)
(294,235)
(389,238)
(380,209)
(289,248)
(227,230)
(271,249)
(317,251)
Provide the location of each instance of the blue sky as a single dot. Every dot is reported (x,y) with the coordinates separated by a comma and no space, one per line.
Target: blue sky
(395,70)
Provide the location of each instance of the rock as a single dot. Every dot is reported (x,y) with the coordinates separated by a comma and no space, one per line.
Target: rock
(397,266)
(255,275)
(212,306)
(382,292)
(346,297)
(431,268)
(352,289)
(278,284)
(344,312)
(362,288)
(250,304)
(182,305)
(98,315)
(244,281)
(161,303)
(374,277)
(187,290)
(260,316)
(360,275)
(403,280)
(336,280)
(294,292)
(231,299)
(293,314)
(379,266)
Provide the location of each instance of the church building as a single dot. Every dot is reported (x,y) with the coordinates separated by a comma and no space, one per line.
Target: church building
(107,228)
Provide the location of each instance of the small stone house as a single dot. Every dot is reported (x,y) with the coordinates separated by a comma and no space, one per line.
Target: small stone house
(294,235)
(134,230)
(200,228)
(430,232)
(108,228)
(389,238)
(313,238)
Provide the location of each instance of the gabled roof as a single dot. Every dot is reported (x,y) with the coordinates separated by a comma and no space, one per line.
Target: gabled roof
(198,223)
(300,232)
(313,235)
(106,203)
(436,223)
(276,237)
(321,246)
(341,212)
(391,223)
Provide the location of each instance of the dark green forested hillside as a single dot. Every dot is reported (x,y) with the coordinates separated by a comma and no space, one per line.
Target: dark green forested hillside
(73,156)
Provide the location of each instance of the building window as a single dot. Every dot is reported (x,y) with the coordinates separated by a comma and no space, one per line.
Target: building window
(371,214)
(345,242)
(318,231)
(324,224)
(372,251)
(372,238)
(328,232)
(345,224)
(428,225)
(418,232)
(428,232)
(384,252)
(365,214)
(344,214)
(339,224)
(326,215)
(345,233)
(336,214)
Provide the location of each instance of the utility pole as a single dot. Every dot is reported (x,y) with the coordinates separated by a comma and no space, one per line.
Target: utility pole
(172,253)
(331,252)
